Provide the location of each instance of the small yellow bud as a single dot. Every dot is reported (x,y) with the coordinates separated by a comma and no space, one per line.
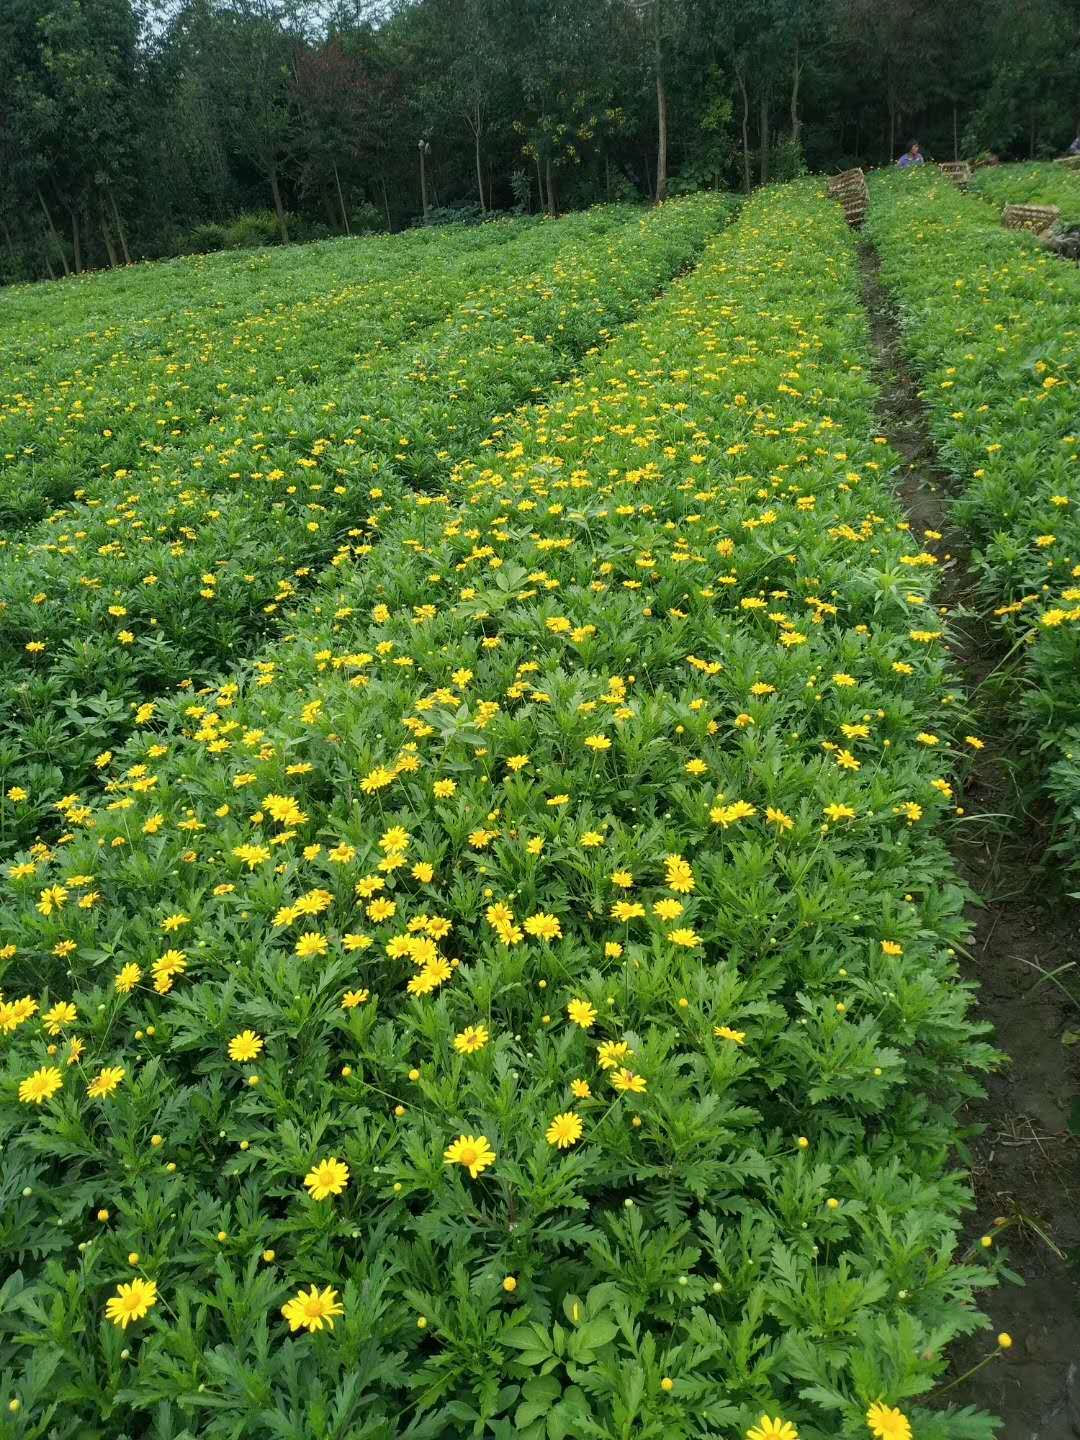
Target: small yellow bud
(133,1258)
(1005,1340)
(509,1284)
(421,1322)
(269,1255)
(667,1383)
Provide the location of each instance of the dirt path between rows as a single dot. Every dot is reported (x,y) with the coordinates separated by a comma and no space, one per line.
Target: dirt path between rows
(1024,1164)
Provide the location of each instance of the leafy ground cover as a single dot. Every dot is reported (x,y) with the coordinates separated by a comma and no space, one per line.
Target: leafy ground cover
(1038,183)
(79,407)
(992,324)
(524,1001)
(165,571)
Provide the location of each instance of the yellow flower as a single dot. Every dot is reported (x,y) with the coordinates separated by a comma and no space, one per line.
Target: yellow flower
(105,1082)
(625,910)
(626,1082)
(724,1032)
(839,812)
(327,1178)
(131,1302)
(311,943)
(245,1046)
(352,998)
(581,1013)
(680,877)
(544,927)
(888,1423)
(684,937)
(472,1152)
(777,1429)
(41,1085)
(564,1130)
(61,1014)
(313,1310)
(598,742)
(580,1089)
(610,1052)
(471,1039)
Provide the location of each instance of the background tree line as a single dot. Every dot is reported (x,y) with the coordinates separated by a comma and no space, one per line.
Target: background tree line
(132,129)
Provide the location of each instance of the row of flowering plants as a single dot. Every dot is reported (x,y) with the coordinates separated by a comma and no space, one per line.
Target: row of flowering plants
(1038,183)
(107,313)
(524,1001)
(169,571)
(992,324)
(140,393)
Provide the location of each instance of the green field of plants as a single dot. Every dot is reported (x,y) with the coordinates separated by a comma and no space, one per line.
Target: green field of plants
(479,748)
(1037,183)
(993,326)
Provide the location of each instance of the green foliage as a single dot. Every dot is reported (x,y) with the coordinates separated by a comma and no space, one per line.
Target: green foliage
(143,595)
(248,231)
(621,731)
(990,320)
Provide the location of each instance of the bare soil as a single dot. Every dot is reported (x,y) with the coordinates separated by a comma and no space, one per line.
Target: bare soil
(1023,1162)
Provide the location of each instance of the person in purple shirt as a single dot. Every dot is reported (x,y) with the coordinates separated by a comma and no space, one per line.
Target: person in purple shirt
(912,156)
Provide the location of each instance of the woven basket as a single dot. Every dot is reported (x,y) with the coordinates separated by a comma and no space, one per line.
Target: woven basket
(1036,218)
(849,188)
(958,171)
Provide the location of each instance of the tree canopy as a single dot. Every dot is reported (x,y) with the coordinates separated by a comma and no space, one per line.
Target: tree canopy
(132,129)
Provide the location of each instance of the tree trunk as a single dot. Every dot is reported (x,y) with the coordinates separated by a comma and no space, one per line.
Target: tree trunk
(279,208)
(745,129)
(341,201)
(119,226)
(475,126)
(386,203)
(423,184)
(52,231)
(110,248)
(552,194)
(764,129)
(541,204)
(796,76)
(955,135)
(76,243)
(661,109)
(607,178)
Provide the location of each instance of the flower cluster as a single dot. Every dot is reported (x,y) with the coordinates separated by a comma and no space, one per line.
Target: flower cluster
(991,322)
(192,509)
(532,987)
